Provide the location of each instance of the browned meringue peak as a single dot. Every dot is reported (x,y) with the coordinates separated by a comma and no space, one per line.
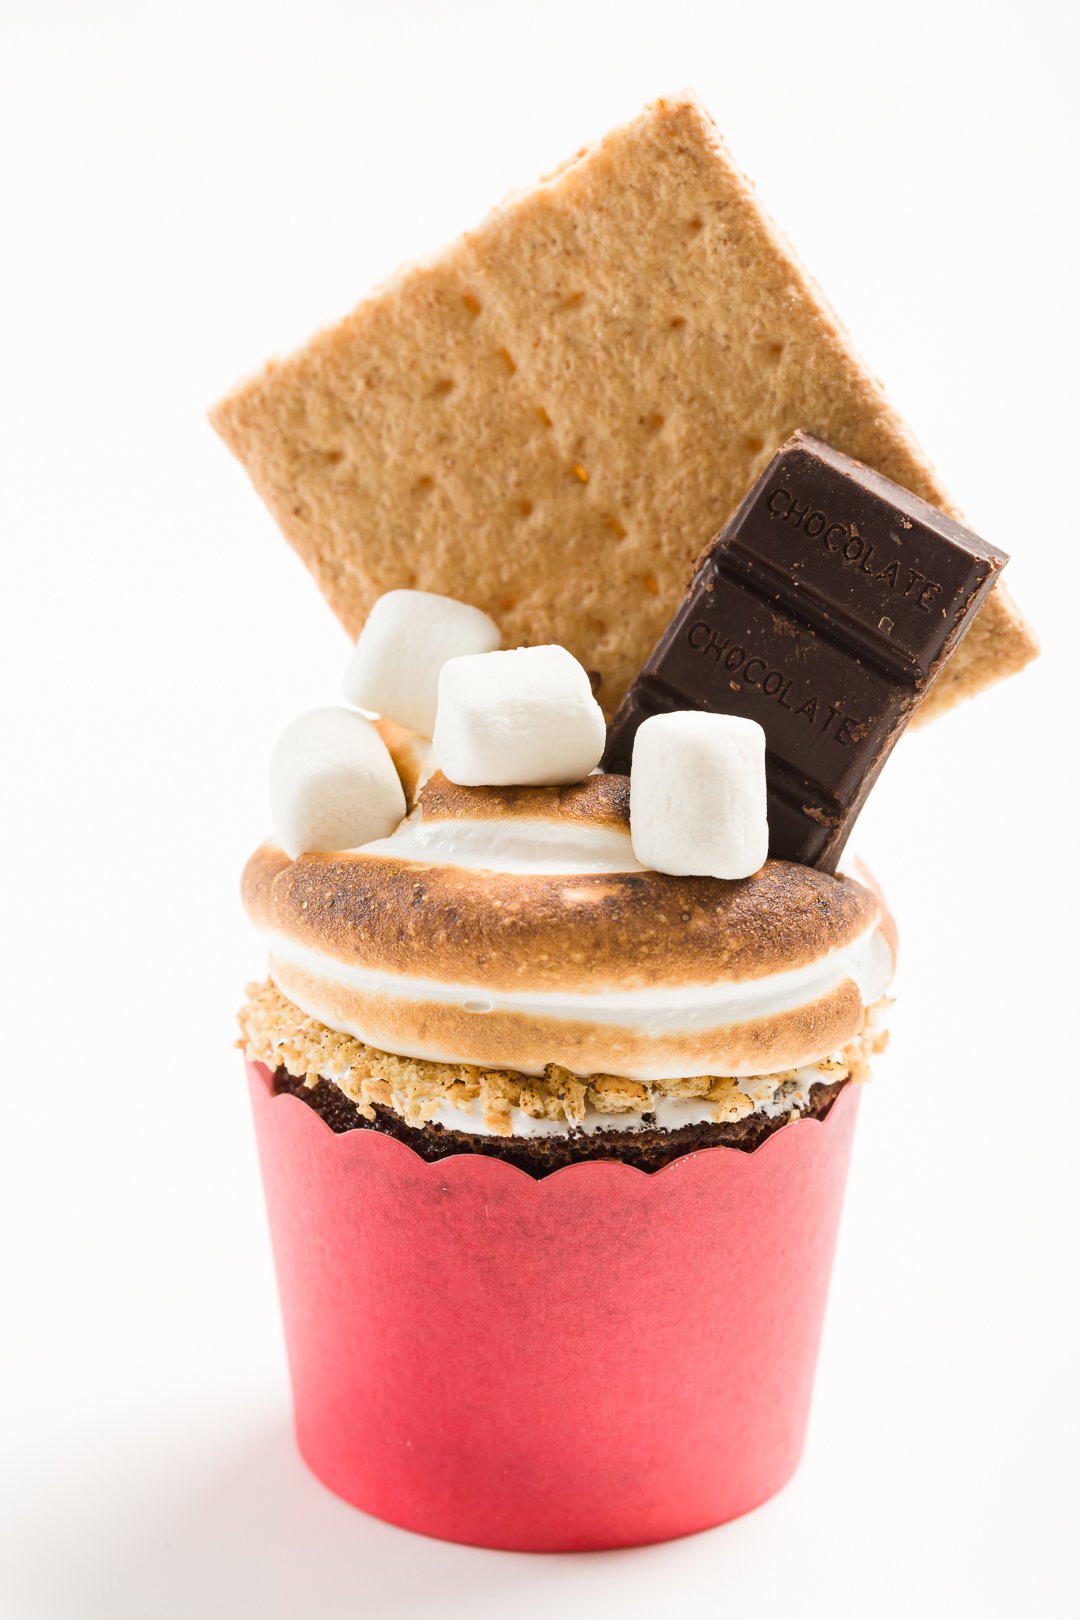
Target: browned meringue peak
(411,756)
(469,936)
(598,801)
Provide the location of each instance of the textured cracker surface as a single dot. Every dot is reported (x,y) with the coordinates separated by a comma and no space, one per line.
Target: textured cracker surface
(553,418)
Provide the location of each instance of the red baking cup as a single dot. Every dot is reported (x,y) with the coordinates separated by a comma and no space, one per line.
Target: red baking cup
(596,1359)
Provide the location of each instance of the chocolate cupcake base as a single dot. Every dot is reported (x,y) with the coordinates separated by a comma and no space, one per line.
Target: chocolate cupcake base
(646,1148)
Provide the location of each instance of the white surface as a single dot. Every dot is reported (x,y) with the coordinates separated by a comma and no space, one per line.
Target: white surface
(332,783)
(525,717)
(407,638)
(512,843)
(188,189)
(697,795)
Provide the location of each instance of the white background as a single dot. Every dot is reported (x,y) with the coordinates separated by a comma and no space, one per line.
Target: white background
(189,188)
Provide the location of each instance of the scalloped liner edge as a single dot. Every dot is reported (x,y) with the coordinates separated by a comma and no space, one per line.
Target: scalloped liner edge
(606,1166)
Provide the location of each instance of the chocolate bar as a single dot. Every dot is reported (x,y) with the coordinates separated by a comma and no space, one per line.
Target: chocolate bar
(825,609)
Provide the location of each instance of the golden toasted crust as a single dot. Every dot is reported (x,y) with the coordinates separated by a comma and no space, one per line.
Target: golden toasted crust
(598,801)
(409,754)
(547,931)
(554,416)
(512,1039)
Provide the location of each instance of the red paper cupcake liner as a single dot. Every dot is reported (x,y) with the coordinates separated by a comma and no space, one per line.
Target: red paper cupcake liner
(600,1358)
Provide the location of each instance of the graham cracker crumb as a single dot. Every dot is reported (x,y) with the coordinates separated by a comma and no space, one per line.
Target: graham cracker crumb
(274,1031)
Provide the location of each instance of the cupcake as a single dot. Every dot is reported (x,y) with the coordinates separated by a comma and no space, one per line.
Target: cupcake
(540,1124)
(555,1068)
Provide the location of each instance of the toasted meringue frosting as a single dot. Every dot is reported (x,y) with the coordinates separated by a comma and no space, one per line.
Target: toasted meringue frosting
(513,928)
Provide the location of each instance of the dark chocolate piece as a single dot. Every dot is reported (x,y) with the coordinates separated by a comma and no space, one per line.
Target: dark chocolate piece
(824,610)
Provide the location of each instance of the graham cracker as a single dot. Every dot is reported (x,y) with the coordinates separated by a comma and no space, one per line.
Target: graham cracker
(553,417)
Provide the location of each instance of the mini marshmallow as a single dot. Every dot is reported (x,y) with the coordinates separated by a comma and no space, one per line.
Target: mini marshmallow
(524,718)
(697,795)
(408,637)
(333,784)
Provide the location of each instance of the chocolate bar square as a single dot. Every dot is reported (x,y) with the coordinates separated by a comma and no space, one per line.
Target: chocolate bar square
(825,610)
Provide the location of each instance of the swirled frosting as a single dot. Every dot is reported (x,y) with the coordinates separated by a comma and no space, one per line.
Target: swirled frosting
(513,929)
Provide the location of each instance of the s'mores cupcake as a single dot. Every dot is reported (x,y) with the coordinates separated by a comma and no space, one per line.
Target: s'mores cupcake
(541,1050)
(555,1066)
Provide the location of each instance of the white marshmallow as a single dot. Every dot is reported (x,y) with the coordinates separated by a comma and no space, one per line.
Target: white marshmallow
(525,718)
(697,795)
(407,639)
(333,784)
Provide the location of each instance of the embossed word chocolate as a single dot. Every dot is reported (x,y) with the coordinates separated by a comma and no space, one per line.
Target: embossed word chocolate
(852,549)
(774,683)
(824,610)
